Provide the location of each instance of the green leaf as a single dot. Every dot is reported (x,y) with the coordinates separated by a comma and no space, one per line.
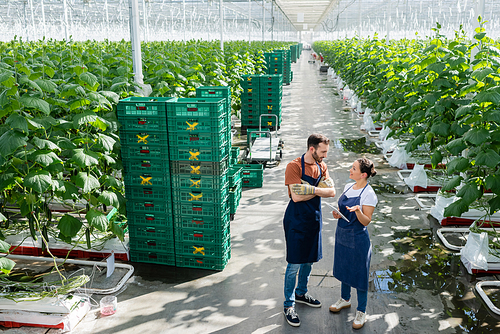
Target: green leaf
(493,183)
(88,78)
(477,136)
(6,265)
(109,198)
(456,209)
(4,75)
(4,247)
(488,158)
(79,103)
(97,219)
(436,67)
(118,231)
(112,182)
(65,143)
(470,192)
(84,158)
(441,129)
(45,157)
(493,116)
(456,146)
(45,144)
(16,121)
(93,96)
(453,183)
(436,158)
(69,226)
(111,96)
(84,118)
(482,73)
(106,141)
(38,180)
(488,96)
(46,85)
(10,141)
(86,182)
(466,110)
(35,103)
(459,129)
(457,165)
(69,191)
(494,204)
(2,217)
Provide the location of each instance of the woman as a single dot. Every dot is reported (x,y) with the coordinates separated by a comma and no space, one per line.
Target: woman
(352,255)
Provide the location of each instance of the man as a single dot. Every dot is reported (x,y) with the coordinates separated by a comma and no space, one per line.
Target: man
(307,180)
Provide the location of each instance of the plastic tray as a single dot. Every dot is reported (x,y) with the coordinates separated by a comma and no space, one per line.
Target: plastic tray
(202,236)
(153,206)
(235,175)
(213,91)
(203,249)
(141,138)
(211,263)
(199,182)
(197,124)
(149,219)
(157,165)
(207,107)
(151,232)
(142,106)
(153,244)
(146,152)
(199,167)
(194,153)
(141,179)
(201,139)
(202,223)
(216,210)
(146,193)
(201,195)
(143,123)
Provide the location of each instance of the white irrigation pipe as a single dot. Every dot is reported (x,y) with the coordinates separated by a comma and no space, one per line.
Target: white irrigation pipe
(487,300)
(122,281)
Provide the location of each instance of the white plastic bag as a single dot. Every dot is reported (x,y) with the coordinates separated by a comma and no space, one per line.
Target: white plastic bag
(475,253)
(368,111)
(384,132)
(354,101)
(368,122)
(389,145)
(399,158)
(359,108)
(417,178)
(347,93)
(437,211)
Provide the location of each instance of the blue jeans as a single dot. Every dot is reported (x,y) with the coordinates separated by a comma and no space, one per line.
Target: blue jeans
(345,293)
(290,280)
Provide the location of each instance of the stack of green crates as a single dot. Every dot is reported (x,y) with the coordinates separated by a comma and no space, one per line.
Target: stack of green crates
(199,155)
(287,65)
(275,62)
(262,95)
(294,52)
(235,185)
(300,50)
(233,155)
(144,141)
(252,175)
(218,92)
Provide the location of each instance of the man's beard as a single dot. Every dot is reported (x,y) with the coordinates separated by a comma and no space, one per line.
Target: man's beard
(316,157)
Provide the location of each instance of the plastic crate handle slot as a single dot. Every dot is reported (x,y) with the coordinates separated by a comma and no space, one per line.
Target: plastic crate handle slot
(192,109)
(246,181)
(150,229)
(197,208)
(198,234)
(151,243)
(195,169)
(148,191)
(140,108)
(195,183)
(146,164)
(194,155)
(146,151)
(199,261)
(150,217)
(198,222)
(191,126)
(200,250)
(149,205)
(194,138)
(146,180)
(152,256)
(142,139)
(246,173)
(141,121)
(195,197)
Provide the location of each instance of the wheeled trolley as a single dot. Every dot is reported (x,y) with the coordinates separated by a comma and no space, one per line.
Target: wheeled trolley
(267,147)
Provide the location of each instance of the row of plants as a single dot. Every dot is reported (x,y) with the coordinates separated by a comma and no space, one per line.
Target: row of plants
(59,134)
(435,93)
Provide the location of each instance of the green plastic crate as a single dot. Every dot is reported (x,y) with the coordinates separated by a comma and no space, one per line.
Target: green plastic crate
(199,167)
(153,244)
(143,123)
(235,175)
(141,179)
(197,124)
(202,236)
(252,175)
(158,165)
(199,182)
(146,193)
(207,262)
(200,195)
(149,219)
(199,139)
(143,106)
(139,138)
(191,209)
(271,107)
(203,223)
(271,80)
(193,153)
(151,232)
(235,152)
(149,206)
(234,197)
(146,152)
(191,107)
(203,249)
(213,91)
(153,257)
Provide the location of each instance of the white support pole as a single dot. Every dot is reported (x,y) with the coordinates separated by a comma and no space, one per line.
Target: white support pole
(249,20)
(359,19)
(184,19)
(65,23)
(44,29)
(272,20)
(388,20)
(221,14)
(135,40)
(145,20)
(263,20)
(478,11)
(107,18)
(32,19)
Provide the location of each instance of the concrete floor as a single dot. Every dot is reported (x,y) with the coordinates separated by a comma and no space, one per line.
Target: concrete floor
(416,285)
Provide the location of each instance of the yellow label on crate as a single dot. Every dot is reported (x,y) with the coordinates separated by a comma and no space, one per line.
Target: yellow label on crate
(142,139)
(200,250)
(249,90)
(145,180)
(270,123)
(191,127)
(195,183)
(195,169)
(270,107)
(194,155)
(195,197)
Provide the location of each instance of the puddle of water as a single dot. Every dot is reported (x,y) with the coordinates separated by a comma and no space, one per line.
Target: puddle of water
(356,146)
(427,266)
(382,187)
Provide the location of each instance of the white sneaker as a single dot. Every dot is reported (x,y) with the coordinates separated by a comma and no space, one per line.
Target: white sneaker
(359,320)
(340,304)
